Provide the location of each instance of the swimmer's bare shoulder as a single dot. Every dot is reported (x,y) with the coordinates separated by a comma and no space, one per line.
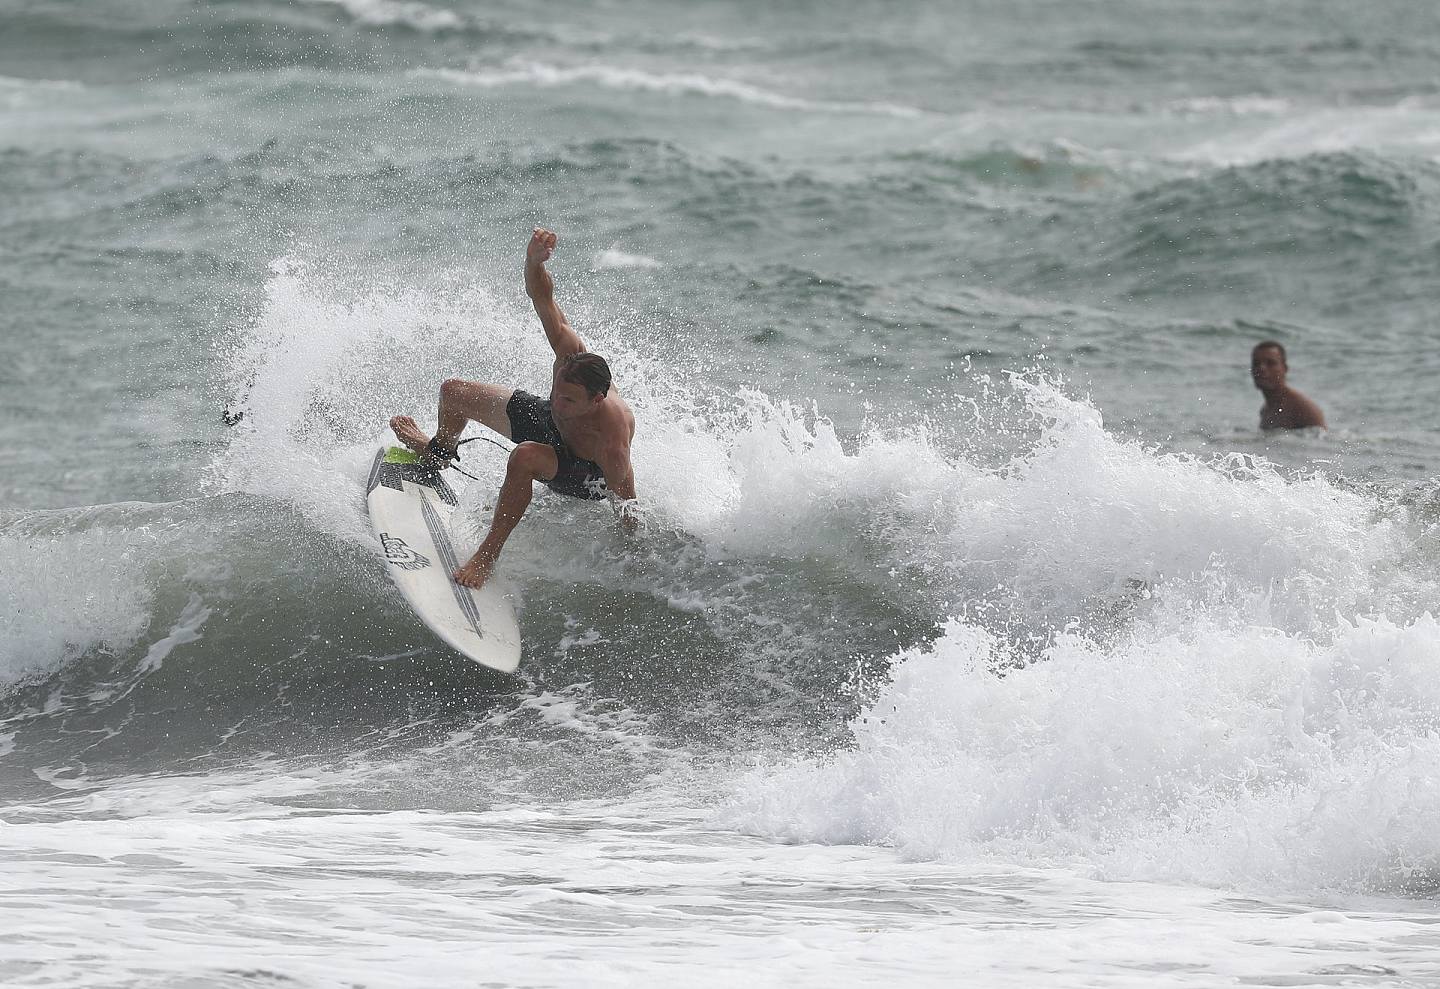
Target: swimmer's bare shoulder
(1294,411)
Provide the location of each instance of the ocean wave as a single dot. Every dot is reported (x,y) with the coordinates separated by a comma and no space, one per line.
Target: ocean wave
(398,13)
(159,40)
(55,618)
(1237,756)
(759,476)
(1062,165)
(1262,132)
(1177,594)
(519,72)
(126,557)
(1204,232)
(1233,682)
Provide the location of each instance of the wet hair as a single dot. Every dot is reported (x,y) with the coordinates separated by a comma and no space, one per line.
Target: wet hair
(587,370)
(1271,345)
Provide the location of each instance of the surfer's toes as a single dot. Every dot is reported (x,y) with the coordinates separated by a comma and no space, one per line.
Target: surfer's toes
(473,574)
(407,432)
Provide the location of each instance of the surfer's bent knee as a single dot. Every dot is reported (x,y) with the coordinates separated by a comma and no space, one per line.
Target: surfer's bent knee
(537,460)
(453,389)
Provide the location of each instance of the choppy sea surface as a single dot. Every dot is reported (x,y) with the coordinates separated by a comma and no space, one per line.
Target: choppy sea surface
(974,633)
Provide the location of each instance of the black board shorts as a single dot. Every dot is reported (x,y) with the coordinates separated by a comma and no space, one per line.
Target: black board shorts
(531,422)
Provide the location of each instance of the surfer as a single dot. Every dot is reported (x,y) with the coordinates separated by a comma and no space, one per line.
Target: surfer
(1284,408)
(577,442)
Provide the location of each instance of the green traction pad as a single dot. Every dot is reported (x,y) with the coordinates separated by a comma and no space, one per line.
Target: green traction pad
(400,455)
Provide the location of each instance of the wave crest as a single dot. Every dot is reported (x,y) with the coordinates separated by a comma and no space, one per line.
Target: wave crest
(518,72)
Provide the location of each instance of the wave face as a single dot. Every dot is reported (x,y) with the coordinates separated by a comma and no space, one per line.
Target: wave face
(1241,757)
(1139,661)
(959,539)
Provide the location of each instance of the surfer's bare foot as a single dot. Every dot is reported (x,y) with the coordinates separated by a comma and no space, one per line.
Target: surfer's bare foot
(476,572)
(407,432)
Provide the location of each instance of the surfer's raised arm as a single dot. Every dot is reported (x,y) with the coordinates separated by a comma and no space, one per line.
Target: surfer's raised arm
(541,289)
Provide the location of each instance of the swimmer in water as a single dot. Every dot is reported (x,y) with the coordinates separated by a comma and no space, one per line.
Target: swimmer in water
(1284,408)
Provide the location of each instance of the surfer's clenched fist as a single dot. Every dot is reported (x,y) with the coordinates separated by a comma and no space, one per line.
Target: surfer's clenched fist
(542,245)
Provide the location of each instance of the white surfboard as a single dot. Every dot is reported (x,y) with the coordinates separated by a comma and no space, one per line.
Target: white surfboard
(410,508)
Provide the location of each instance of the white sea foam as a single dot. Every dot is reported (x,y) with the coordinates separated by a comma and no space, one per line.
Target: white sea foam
(577,710)
(324,369)
(257,892)
(613,257)
(1207,718)
(405,13)
(185,631)
(1402,128)
(519,72)
(1076,515)
(1216,722)
(1245,757)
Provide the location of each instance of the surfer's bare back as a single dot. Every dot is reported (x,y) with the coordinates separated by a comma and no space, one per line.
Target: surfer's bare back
(577,442)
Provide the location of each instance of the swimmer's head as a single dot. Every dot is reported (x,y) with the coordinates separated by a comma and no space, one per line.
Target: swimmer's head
(1268,365)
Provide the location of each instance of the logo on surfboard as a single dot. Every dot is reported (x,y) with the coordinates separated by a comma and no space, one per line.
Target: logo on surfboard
(401,555)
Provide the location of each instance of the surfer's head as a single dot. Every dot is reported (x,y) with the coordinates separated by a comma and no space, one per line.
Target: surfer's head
(586,370)
(581,382)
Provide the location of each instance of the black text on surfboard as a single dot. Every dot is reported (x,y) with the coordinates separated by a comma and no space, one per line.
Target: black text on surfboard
(401,555)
